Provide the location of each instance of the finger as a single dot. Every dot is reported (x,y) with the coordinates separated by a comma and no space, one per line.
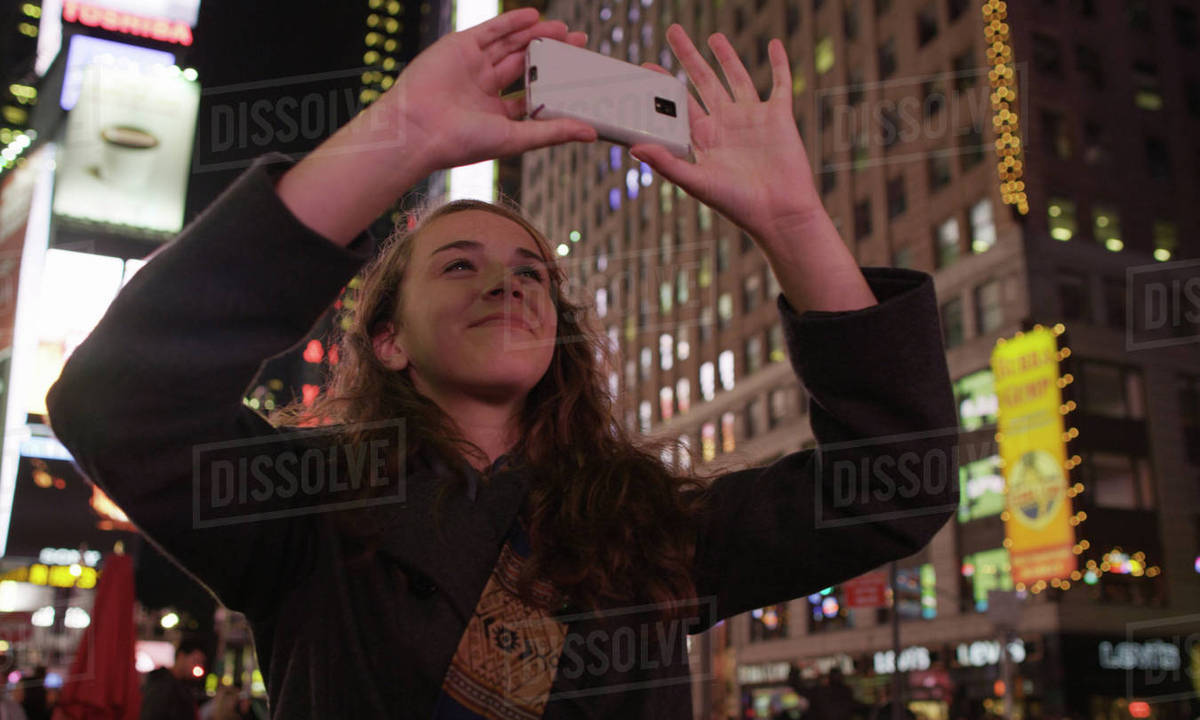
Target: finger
(578,39)
(694,109)
(555,29)
(698,69)
(515,108)
(532,134)
(781,72)
(678,170)
(503,24)
(739,80)
(510,68)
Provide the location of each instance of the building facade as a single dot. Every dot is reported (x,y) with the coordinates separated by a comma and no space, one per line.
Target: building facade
(1038,158)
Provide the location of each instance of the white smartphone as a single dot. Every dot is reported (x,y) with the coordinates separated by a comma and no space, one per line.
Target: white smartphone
(626,103)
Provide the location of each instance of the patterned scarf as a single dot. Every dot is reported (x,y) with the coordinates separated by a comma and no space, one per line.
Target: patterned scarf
(505,661)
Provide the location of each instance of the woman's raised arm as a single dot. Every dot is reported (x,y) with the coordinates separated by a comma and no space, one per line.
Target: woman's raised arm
(444,111)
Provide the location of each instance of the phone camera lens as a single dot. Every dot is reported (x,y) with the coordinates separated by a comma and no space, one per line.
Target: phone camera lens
(533,73)
(664,106)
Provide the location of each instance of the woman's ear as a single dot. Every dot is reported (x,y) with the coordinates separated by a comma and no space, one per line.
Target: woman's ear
(388,350)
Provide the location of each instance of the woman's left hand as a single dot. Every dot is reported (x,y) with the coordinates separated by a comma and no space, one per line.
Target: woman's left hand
(750,161)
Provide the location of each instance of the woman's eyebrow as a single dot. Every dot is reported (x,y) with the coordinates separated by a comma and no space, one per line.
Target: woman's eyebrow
(476,245)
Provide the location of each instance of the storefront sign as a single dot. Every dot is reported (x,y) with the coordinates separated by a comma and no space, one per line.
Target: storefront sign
(1148,655)
(763,673)
(67,556)
(155,28)
(1032,446)
(911,658)
(866,591)
(982,653)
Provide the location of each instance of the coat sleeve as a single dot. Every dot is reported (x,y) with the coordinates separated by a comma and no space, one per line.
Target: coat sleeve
(159,383)
(882,479)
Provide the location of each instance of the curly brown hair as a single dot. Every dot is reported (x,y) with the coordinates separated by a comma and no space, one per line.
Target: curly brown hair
(618,529)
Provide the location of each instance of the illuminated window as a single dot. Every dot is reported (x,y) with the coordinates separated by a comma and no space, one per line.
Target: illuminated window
(948,245)
(683,393)
(983,232)
(769,623)
(644,411)
(707,381)
(706,323)
(1165,239)
(1106,227)
(703,216)
(664,297)
(1061,216)
(983,572)
(631,183)
(776,350)
(915,597)
(682,347)
(827,611)
(666,351)
(666,402)
(981,485)
(666,246)
(681,286)
(646,358)
(601,302)
(724,310)
(708,441)
(728,442)
(723,253)
(725,368)
(777,406)
(823,55)
(614,199)
(751,292)
(1147,92)
(685,454)
(975,395)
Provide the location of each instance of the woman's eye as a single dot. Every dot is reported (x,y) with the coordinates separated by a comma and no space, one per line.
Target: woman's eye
(532,271)
(456,263)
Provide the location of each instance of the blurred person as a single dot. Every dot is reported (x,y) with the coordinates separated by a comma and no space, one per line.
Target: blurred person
(35,702)
(834,699)
(529,509)
(169,693)
(10,703)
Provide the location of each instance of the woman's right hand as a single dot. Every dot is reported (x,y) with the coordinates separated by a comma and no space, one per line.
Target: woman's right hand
(448,97)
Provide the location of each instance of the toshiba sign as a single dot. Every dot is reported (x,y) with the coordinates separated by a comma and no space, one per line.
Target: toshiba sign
(114,20)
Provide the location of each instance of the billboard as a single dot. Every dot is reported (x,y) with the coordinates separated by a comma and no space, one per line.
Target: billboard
(84,50)
(128,145)
(1032,444)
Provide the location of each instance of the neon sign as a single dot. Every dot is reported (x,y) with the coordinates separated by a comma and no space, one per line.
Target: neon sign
(160,29)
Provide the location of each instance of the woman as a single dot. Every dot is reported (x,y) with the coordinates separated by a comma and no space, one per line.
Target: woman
(518,556)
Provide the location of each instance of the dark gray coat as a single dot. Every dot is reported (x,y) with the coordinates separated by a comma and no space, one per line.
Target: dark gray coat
(155,393)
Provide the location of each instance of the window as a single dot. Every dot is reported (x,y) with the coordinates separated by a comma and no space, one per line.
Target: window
(927,24)
(776,351)
(948,246)
(1060,215)
(938,169)
(1095,150)
(887,59)
(664,298)
(989,307)
(902,258)
(955,8)
(1189,416)
(1165,240)
(983,232)
(827,611)
(1090,65)
(1138,14)
(823,55)
(933,94)
(1147,92)
(708,441)
(666,402)
(952,322)
(666,351)
(882,6)
(646,358)
(753,352)
(889,127)
(1114,302)
(706,323)
(862,219)
(707,381)
(850,20)
(751,292)
(724,310)
(728,438)
(769,623)
(971,148)
(983,572)
(965,73)
(777,408)
(644,416)
(1183,21)
(1106,227)
(725,369)
(1117,481)
(791,18)
(1047,58)
(854,87)
(1158,161)
(683,393)
(828,178)
(916,594)
(722,253)
(896,201)
(1073,296)
(1054,129)
(1111,390)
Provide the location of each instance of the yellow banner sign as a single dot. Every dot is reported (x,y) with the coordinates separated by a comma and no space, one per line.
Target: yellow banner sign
(1033,448)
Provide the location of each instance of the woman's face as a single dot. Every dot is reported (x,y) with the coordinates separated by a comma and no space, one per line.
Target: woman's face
(477,316)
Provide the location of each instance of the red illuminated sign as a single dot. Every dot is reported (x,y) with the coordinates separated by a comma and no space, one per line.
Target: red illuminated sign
(172,31)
